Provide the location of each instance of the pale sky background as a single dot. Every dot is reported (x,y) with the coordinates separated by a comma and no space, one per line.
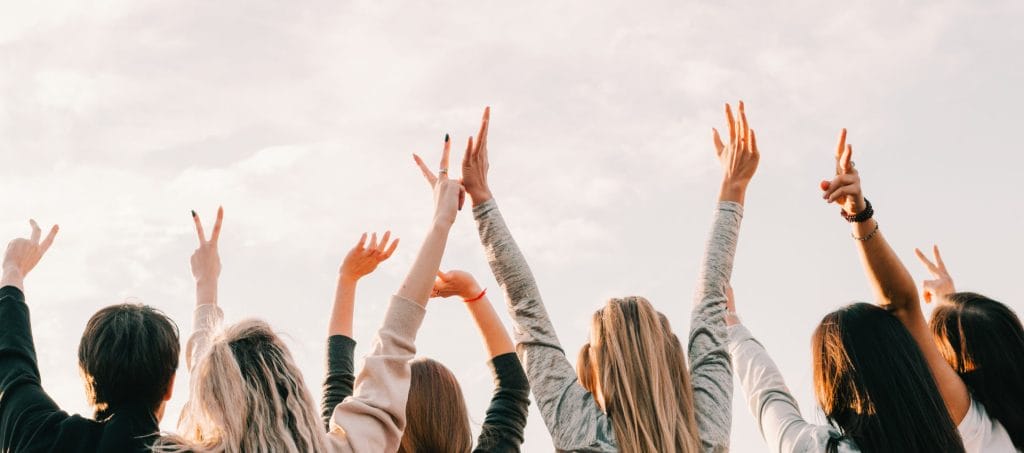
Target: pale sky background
(117,117)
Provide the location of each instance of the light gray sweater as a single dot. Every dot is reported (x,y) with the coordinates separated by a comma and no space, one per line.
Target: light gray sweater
(574,419)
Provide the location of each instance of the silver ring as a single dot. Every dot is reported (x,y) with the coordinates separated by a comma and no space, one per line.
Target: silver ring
(852,164)
(443,171)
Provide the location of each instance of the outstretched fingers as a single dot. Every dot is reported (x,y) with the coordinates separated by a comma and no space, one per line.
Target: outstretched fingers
(938,258)
(925,261)
(481,137)
(429,175)
(732,124)
(48,241)
(719,146)
(216,226)
(199,228)
(36,231)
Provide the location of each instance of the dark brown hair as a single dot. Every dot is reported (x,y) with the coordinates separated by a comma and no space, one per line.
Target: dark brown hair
(983,340)
(874,385)
(436,411)
(128,354)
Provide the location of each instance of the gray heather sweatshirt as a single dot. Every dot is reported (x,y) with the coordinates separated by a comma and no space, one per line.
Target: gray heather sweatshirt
(570,412)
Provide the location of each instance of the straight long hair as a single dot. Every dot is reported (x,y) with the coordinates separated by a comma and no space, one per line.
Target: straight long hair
(875,387)
(436,411)
(983,340)
(636,368)
(247,395)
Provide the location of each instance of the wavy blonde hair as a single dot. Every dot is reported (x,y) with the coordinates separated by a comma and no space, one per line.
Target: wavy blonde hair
(247,395)
(634,365)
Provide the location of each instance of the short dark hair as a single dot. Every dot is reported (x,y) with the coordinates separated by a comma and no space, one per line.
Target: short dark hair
(983,340)
(129,354)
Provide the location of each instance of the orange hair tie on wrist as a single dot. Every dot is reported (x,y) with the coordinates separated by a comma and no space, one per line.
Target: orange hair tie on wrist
(478,297)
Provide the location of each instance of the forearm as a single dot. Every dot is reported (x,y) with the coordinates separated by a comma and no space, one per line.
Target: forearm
(344,305)
(496,338)
(206,291)
(892,284)
(12,276)
(420,281)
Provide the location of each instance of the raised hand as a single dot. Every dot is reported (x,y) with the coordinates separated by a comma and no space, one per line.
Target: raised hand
(363,259)
(23,254)
(475,164)
(845,188)
(739,157)
(942,283)
(448,194)
(206,259)
(455,283)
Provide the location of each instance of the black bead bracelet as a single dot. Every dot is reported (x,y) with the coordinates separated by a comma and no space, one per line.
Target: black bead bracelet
(859,217)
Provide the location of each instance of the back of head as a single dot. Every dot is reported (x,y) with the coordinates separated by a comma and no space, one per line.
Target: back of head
(436,411)
(983,340)
(128,355)
(247,395)
(874,385)
(635,365)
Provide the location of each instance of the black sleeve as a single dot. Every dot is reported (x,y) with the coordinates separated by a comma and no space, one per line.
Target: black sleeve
(28,417)
(506,417)
(340,375)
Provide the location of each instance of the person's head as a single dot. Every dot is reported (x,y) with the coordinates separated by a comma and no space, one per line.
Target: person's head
(128,356)
(874,385)
(436,411)
(983,341)
(635,368)
(247,394)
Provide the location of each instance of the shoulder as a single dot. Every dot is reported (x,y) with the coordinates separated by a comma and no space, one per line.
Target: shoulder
(980,432)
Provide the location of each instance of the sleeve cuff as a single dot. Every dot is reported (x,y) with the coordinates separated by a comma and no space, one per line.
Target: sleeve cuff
(731,206)
(739,333)
(340,354)
(12,292)
(480,210)
(404,317)
(508,371)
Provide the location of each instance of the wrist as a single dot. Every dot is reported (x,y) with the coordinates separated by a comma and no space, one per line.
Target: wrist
(481,197)
(471,292)
(732,191)
(12,276)
(348,279)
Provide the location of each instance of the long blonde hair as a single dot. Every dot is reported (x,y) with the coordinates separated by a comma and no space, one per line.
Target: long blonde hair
(247,395)
(635,366)
(436,411)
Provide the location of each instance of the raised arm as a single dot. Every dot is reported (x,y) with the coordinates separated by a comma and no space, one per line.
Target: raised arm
(570,412)
(505,421)
(710,368)
(25,409)
(360,261)
(207,316)
(769,399)
(373,419)
(893,285)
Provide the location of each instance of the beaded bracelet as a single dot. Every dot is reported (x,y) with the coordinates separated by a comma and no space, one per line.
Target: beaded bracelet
(481,296)
(868,236)
(859,217)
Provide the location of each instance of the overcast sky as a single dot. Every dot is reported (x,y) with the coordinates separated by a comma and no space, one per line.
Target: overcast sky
(119,116)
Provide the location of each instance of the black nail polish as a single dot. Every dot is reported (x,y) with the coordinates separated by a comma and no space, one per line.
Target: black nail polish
(446,138)
(193,213)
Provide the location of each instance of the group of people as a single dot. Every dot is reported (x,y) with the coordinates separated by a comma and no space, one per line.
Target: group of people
(886,378)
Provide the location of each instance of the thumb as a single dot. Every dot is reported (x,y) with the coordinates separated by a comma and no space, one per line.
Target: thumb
(442,275)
